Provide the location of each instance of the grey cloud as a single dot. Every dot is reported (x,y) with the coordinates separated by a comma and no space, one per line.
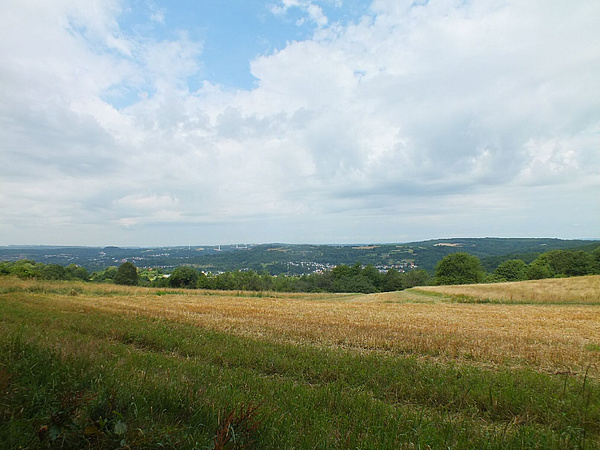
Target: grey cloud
(56,138)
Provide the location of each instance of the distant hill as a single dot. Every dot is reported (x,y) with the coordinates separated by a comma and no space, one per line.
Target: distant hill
(493,251)
(297,259)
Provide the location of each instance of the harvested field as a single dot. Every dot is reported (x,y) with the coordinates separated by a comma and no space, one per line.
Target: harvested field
(574,290)
(557,338)
(102,366)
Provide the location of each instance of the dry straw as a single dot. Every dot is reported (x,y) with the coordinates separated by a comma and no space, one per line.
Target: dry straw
(533,330)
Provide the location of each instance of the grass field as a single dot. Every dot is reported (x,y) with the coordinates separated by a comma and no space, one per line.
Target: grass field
(512,365)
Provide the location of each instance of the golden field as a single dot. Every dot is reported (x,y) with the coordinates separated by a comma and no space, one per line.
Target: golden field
(575,290)
(549,325)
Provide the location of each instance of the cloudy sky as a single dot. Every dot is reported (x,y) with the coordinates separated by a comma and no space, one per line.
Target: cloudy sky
(155,122)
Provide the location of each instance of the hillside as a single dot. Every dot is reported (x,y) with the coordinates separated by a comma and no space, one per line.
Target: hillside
(294,259)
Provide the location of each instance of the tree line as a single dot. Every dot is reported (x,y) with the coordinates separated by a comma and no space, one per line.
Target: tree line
(27,268)
(464,268)
(456,268)
(343,278)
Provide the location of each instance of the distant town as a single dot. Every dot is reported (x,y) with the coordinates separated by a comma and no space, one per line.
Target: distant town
(292,259)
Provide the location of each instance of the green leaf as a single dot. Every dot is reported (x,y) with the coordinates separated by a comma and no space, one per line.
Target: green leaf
(120,427)
(54,432)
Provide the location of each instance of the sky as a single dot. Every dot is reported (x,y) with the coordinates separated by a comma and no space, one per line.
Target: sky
(182,122)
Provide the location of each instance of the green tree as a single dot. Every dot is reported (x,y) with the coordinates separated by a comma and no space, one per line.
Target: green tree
(160,282)
(204,282)
(105,276)
(249,281)
(5,268)
(571,262)
(596,255)
(415,277)
(360,284)
(25,268)
(267,281)
(353,279)
(459,268)
(184,277)
(54,272)
(512,270)
(77,272)
(127,275)
(539,269)
(493,278)
(224,281)
(283,283)
(393,281)
(374,276)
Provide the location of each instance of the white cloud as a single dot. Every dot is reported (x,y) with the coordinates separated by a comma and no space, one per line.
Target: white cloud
(313,13)
(157,15)
(416,118)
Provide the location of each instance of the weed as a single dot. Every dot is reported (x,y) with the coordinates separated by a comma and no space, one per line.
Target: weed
(63,425)
(160,293)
